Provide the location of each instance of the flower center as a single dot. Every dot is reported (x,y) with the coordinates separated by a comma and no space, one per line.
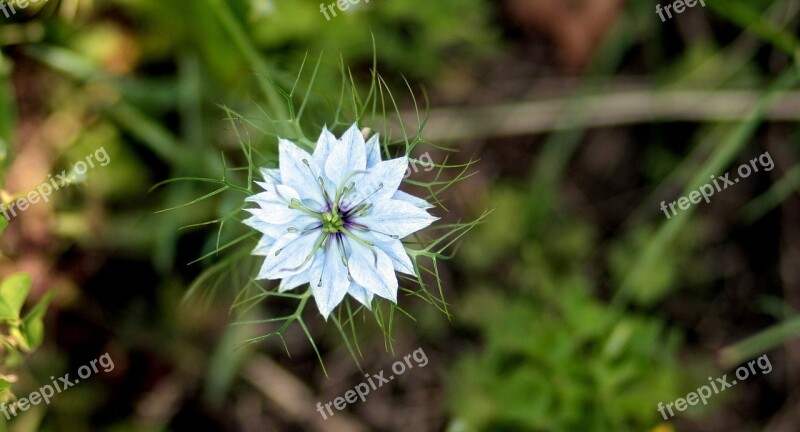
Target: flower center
(332,222)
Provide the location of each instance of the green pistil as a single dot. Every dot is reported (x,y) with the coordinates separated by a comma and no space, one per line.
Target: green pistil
(332,222)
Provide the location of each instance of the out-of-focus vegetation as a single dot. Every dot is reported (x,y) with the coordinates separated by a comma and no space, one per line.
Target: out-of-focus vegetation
(555,358)
(575,306)
(23,333)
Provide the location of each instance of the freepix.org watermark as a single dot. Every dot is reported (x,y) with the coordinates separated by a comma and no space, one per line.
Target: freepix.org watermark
(703,393)
(376,381)
(342,5)
(46,392)
(424,160)
(8,9)
(43,192)
(678,5)
(720,183)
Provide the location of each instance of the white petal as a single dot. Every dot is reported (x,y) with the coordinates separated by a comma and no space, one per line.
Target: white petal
(274,194)
(395,250)
(276,214)
(273,230)
(373,151)
(292,282)
(329,281)
(268,229)
(348,156)
(418,202)
(372,269)
(325,144)
(264,245)
(271,175)
(393,217)
(281,194)
(379,183)
(361,294)
(300,171)
(287,257)
(266,184)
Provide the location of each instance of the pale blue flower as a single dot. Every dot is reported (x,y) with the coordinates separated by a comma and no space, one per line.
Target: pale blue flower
(334,219)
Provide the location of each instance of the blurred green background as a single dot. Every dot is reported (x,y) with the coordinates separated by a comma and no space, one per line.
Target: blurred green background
(575,306)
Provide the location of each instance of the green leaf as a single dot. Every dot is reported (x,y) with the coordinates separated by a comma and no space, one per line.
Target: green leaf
(13,292)
(33,324)
(13,358)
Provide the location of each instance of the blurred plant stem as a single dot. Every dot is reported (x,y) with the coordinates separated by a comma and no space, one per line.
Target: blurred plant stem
(760,343)
(628,107)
